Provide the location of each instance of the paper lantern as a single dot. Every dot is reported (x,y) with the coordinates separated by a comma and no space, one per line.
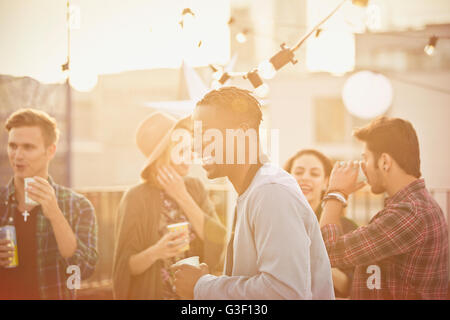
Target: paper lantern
(367,95)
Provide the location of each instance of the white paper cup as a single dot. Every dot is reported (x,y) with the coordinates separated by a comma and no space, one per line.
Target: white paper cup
(361,175)
(28,200)
(193,261)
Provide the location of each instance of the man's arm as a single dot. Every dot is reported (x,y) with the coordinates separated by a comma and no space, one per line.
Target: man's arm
(332,213)
(42,192)
(65,238)
(85,230)
(283,257)
(77,243)
(395,231)
(343,179)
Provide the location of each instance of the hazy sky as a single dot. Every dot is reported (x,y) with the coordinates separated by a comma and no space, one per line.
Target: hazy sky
(114,35)
(117,35)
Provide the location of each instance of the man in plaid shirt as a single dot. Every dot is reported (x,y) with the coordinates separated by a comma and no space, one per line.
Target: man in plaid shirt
(58,232)
(403,252)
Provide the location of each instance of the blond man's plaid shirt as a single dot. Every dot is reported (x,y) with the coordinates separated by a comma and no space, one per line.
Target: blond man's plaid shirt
(80,214)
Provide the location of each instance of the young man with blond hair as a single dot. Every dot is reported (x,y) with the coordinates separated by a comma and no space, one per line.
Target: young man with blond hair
(57,232)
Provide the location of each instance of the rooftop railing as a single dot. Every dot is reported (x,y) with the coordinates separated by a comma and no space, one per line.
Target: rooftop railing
(363,205)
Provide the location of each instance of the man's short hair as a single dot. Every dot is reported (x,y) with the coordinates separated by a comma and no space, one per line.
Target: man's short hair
(239,103)
(395,137)
(35,118)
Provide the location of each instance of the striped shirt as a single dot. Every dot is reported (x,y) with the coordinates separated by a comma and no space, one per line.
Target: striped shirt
(401,254)
(52,268)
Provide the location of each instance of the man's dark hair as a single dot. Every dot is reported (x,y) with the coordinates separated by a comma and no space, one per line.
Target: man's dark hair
(395,137)
(238,103)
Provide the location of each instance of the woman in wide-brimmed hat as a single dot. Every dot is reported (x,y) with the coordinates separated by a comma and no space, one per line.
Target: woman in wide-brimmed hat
(144,249)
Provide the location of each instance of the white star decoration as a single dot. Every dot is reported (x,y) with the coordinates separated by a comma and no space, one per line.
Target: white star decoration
(196,89)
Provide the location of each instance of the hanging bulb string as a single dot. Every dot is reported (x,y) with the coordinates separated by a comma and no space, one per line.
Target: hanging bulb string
(286,55)
(276,23)
(316,27)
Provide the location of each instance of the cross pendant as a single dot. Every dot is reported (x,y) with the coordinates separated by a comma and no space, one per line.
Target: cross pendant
(25,215)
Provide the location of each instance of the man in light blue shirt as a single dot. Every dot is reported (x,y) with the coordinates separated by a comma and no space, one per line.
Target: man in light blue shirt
(276,249)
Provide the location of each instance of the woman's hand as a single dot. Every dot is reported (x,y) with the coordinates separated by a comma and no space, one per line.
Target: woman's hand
(168,246)
(171,244)
(172,183)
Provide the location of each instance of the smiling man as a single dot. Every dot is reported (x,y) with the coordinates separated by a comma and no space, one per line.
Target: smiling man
(276,250)
(59,231)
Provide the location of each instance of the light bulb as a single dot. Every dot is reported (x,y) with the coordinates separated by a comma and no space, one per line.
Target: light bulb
(83,81)
(216,85)
(241,37)
(266,70)
(217,75)
(367,95)
(360,3)
(429,50)
(262,91)
(431,46)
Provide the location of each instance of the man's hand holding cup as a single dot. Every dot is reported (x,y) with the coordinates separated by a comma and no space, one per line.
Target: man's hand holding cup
(344,177)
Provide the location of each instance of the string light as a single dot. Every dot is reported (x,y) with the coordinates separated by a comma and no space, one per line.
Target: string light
(431,46)
(217,73)
(187,11)
(220,81)
(241,37)
(224,78)
(269,68)
(360,3)
(186,15)
(262,91)
(216,85)
(261,88)
(318,32)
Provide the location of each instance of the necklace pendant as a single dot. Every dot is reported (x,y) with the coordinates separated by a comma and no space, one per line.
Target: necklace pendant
(25,215)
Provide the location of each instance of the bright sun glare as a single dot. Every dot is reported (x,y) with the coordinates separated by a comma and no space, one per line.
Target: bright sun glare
(114,36)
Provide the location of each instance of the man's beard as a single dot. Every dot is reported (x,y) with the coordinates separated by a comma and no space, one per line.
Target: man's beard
(376,186)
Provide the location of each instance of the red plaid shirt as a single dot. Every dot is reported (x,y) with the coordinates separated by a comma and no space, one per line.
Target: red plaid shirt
(407,240)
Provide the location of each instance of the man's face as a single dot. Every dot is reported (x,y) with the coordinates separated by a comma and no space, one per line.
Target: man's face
(372,171)
(27,153)
(210,119)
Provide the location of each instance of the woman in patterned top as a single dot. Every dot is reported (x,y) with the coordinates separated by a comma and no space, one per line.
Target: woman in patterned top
(144,248)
